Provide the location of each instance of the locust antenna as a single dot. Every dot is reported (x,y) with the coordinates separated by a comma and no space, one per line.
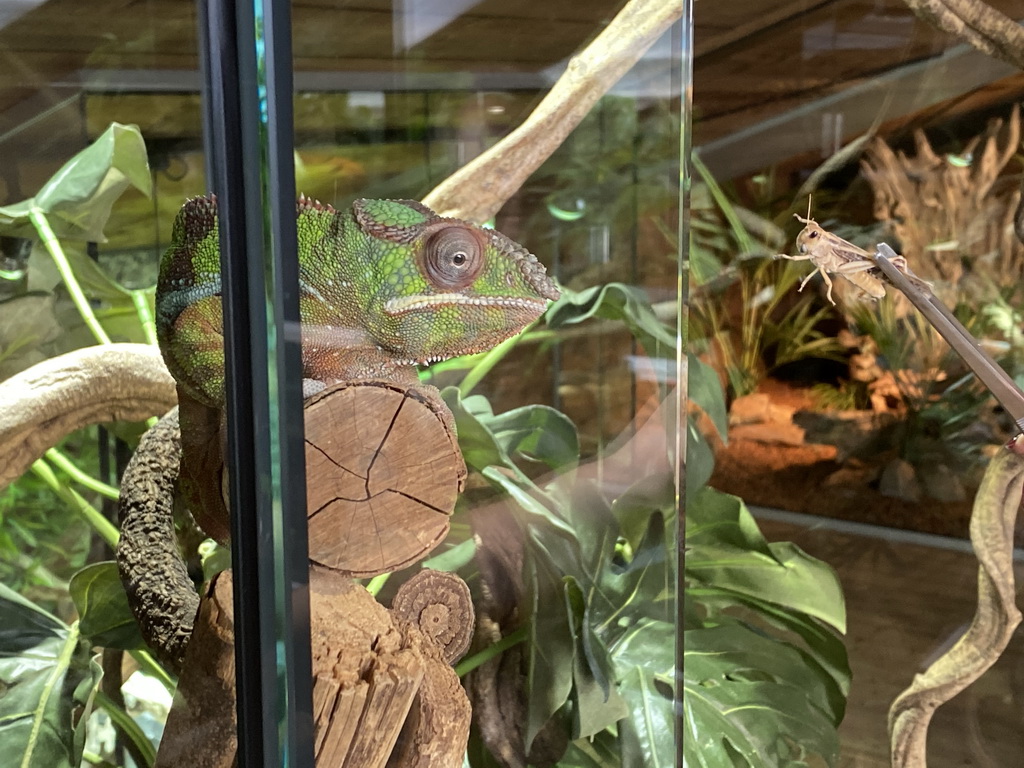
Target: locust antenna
(808,206)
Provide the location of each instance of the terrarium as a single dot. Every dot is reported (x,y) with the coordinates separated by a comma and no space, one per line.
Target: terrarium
(342,383)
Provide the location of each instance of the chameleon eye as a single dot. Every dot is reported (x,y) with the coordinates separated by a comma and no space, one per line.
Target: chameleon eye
(453,257)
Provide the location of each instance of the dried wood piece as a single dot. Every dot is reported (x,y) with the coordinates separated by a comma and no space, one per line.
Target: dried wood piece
(976,23)
(368,672)
(201,730)
(437,728)
(110,382)
(383,472)
(947,210)
(995,619)
(441,606)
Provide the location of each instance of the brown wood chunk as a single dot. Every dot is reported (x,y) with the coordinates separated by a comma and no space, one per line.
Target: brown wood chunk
(383,472)
(375,679)
(440,605)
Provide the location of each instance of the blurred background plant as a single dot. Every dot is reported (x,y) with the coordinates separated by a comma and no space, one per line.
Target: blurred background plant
(745,316)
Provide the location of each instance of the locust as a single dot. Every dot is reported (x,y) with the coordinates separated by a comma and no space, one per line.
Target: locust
(833,255)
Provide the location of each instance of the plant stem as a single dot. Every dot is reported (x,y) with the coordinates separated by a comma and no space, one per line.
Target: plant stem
(92,515)
(138,744)
(46,234)
(63,462)
(487,362)
(150,666)
(468,665)
(141,301)
(375,584)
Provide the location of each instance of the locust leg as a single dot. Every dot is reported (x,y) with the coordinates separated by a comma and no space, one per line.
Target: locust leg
(809,276)
(828,282)
(804,257)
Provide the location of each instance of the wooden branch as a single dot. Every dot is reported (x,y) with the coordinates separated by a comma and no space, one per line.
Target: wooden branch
(976,23)
(112,382)
(476,191)
(996,617)
(369,671)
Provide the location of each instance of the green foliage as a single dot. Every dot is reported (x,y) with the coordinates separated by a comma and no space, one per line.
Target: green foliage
(598,608)
(942,398)
(75,204)
(48,680)
(614,301)
(744,312)
(43,541)
(77,199)
(765,673)
(1007,322)
(104,616)
(761,619)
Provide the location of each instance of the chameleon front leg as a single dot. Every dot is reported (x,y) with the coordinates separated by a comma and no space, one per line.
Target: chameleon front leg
(194,351)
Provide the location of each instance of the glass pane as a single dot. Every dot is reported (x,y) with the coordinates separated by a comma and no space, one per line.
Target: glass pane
(564,533)
(491,419)
(101,141)
(854,431)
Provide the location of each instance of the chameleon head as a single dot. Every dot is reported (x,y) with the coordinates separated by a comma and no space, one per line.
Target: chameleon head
(445,287)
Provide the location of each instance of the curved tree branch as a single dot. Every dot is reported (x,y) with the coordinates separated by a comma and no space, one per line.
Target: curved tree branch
(476,191)
(977,23)
(111,382)
(996,617)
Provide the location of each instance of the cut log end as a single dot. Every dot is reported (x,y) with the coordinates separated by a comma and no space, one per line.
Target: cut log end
(383,472)
(441,606)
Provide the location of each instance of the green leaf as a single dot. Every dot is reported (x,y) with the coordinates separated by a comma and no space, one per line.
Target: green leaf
(78,198)
(48,679)
(823,650)
(633,509)
(549,668)
(645,657)
(614,301)
(102,604)
(479,447)
(785,576)
(596,705)
(128,728)
(765,677)
(700,460)
(756,694)
(538,433)
(705,390)
(453,558)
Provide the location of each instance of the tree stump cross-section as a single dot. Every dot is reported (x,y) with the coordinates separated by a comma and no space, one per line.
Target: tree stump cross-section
(383,473)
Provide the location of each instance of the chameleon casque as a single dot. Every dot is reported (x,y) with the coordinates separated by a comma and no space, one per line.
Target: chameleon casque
(384,287)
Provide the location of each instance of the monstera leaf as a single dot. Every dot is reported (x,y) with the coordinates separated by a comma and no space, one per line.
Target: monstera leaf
(768,690)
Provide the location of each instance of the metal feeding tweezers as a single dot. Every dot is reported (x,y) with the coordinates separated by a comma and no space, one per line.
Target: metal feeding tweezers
(963,343)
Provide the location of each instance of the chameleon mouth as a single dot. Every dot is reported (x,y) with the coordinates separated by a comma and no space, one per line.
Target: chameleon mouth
(399,306)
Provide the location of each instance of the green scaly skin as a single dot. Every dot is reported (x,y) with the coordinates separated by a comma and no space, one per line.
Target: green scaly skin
(384,287)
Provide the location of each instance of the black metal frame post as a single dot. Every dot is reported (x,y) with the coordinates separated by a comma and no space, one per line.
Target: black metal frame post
(248,113)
